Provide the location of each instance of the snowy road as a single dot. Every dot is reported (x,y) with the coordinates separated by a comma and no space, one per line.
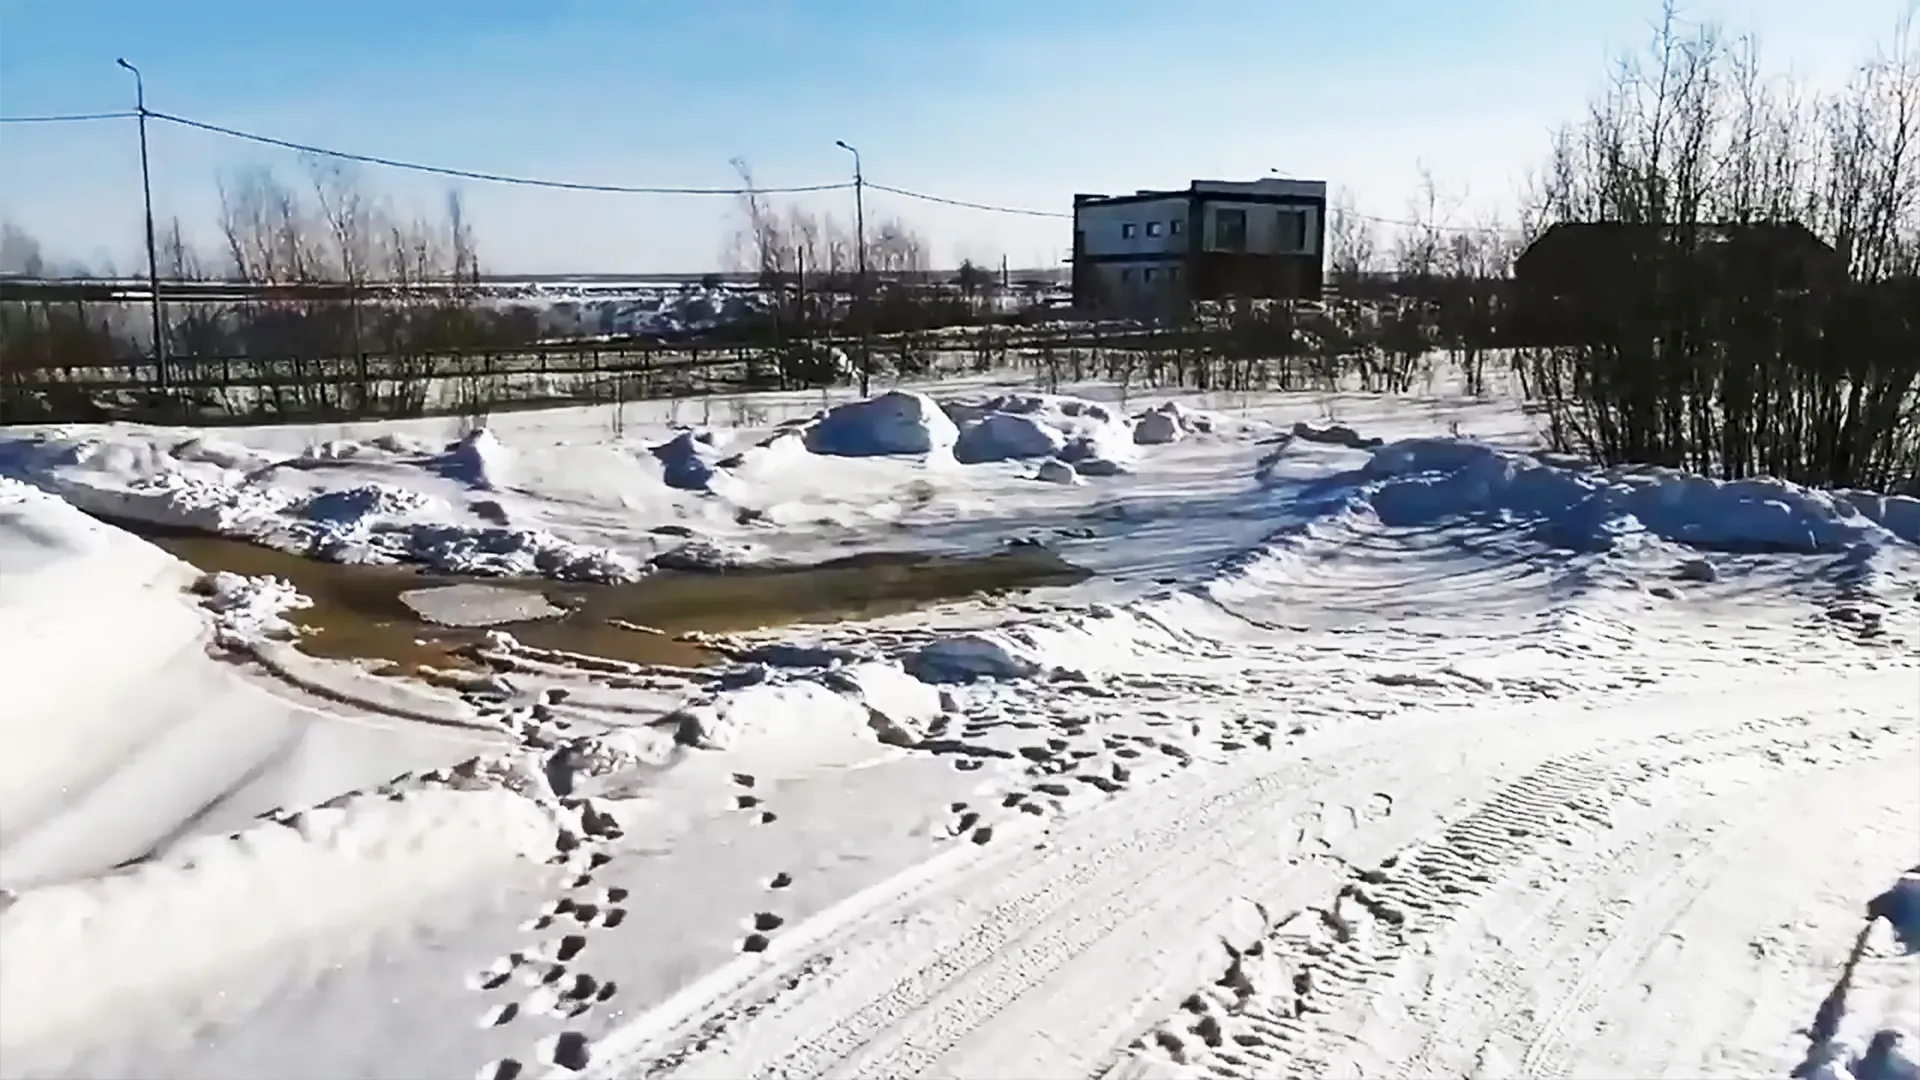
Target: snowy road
(1508,886)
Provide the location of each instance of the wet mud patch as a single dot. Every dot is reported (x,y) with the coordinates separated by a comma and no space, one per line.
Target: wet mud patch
(359,611)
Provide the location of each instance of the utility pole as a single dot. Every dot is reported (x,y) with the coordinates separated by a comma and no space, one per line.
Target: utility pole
(860,263)
(153,257)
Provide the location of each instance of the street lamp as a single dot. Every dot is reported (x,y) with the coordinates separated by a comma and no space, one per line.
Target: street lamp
(860,263)
(153,258)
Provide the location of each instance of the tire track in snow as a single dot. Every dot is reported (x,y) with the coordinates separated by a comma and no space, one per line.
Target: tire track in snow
(1318,961)
(1119,896)
(1654,911)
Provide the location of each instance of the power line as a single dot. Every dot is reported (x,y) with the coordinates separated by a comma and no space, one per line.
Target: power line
(495,178)
(627,189)
(68,118)
(1028,212)
(967,205)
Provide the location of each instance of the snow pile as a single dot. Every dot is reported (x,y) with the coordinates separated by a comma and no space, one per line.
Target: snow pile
(1898,514)
(250,609)
(1420,482)
(200,918)
(1417,481)
(1001,436)
(1170,422)
(896,422)
(1085,437)
(363,504)
(477,459)
(1101,639)
(386,445)
(692,309)
(211,486)
(502,552)
(1334,435)
(684,463)
(144,481)
(231,456)
(768,704)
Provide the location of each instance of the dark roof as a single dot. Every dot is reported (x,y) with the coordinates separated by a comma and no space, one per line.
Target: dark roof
(1577,252)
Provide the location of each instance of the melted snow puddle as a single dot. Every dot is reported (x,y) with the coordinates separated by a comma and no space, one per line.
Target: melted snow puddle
(358,612)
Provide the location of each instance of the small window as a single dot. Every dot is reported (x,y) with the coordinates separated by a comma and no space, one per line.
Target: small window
(1127,230)
(1173,227)
(1153,228)
(1292,235)
(1173,273)
(1147,275)
(1126,273)
(1230,230)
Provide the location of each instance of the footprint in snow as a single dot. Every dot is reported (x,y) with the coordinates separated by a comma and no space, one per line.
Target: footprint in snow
(568,1050)
(496,973)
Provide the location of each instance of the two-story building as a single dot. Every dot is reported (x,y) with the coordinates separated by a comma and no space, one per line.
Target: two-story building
(1153,253)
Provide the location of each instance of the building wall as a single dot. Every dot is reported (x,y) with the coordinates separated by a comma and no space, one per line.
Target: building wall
(1105,227)
(1263,226)
(1130,255)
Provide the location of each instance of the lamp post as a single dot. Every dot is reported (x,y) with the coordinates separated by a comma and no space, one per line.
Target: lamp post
(153,258)
(860,263)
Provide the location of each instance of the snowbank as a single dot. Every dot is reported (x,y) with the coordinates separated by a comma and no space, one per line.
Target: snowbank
(896,422)
(121,734)
(219,918)
(318,503)
(1419,482)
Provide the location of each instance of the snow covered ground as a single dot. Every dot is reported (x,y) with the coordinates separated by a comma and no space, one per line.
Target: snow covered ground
(1378,745)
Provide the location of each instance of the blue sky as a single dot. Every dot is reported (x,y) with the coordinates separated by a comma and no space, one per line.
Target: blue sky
(1013,102)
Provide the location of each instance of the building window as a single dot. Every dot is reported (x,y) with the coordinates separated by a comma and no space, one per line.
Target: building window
(1126,272)
(1173,273)
(1173,227)
(1147,275)
(1127,230)
(1291,238)
(1153,228)
(1230,230)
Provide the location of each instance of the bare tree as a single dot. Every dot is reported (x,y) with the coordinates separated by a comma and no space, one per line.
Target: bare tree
(1722,342)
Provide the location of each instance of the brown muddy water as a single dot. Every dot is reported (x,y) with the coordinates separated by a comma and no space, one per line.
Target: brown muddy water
(358,613)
